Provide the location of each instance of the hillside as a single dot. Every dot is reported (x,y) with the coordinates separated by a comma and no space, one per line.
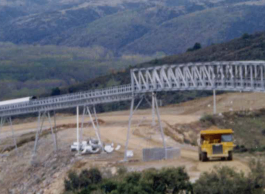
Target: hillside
(248,47)
(34,70)
(127,26)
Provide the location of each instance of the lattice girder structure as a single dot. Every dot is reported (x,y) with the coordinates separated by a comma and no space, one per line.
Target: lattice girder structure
(226,76)
(101,96)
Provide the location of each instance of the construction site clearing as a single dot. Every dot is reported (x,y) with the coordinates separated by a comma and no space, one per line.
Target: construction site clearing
(46,173)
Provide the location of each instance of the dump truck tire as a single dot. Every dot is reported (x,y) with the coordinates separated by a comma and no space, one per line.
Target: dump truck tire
(200,157)
(204,156)
(230,156)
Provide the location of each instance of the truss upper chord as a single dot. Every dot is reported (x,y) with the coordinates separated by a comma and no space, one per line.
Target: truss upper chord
(228,76)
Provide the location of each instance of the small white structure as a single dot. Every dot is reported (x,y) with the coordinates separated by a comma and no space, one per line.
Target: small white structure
(118,147)
(129,154)
(92,146)
(109,148)
(75,146)
(88,149)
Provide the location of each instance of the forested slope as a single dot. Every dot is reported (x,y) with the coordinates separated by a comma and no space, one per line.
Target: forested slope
(129,26)
(34,70)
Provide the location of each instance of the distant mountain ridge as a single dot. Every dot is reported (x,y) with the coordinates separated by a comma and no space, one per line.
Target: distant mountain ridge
(129,26)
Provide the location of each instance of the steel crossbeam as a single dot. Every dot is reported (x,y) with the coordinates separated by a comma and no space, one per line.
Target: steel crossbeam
(226,76)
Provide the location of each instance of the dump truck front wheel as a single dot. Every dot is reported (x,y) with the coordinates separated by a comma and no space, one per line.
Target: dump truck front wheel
(204,156)
(230,156)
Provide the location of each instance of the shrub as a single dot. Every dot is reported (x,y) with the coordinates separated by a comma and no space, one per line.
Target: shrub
(167,180)
(56,91)
(223,180)
(208,118)
(72,183)
(86,179)
(122,170)
(245,36)
(196,46)
(133,178)
(95,175)
(240,149)
(257,175)
(109,185)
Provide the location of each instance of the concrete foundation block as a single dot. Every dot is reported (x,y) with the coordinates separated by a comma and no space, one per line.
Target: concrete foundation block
(152,154)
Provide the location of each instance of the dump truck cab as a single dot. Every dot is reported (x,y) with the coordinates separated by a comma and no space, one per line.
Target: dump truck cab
(216,144)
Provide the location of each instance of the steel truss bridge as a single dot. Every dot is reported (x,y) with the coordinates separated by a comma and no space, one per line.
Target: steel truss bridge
(226,76)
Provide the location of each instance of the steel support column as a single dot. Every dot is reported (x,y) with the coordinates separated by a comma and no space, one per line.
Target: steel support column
(41,119)
(77,129)
(8,120)
(86,111)
(94,126)
(161,127)
(214,102)
(129,130)
(153,109)
(96,118)
(53,133)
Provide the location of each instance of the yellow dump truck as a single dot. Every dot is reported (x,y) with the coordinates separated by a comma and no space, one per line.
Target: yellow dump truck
(216,144)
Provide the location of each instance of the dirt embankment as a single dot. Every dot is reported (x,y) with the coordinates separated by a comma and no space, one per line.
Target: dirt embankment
(8,144)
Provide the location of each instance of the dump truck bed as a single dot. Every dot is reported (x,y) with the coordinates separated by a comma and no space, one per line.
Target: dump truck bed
(218,131)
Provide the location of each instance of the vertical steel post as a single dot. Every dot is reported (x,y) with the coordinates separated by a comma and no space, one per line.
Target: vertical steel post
(53,135)
(96,118)
(55,128)
(161,127)
(1,126)
(139,103)
(214,102)
(129,129)
(77,129)
(153,109)
(82,122)
(42,121)
(13,134)
(94,126)
(37,134)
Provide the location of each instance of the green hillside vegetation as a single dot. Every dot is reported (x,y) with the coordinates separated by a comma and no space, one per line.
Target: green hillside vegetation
(34,70)
(209,26)
(118,30)
(144,27)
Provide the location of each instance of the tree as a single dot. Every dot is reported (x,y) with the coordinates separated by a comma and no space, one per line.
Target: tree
(223,180)
(245,36)
(86,179)
(72,182)
(56,91)
(196,46)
